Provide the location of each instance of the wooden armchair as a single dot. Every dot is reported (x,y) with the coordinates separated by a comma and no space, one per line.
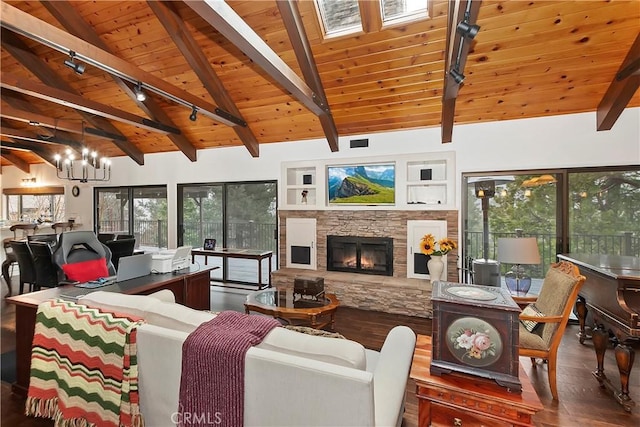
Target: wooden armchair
(550,314)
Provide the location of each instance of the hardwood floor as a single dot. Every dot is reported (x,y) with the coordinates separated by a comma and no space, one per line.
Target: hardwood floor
(582,402)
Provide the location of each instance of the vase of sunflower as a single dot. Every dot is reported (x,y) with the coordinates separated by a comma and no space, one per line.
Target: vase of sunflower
(435,250)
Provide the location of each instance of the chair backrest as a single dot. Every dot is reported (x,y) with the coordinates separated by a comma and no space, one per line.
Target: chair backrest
(50,239)
(105,237)
(24,229)
(120,248)
(25,261)
(47,273)
(558,295)
(78,246)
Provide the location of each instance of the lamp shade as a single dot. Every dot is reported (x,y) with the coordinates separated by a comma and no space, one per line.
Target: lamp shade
(518,250)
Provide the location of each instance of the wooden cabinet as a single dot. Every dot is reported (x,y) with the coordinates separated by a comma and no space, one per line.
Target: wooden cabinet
(462,400)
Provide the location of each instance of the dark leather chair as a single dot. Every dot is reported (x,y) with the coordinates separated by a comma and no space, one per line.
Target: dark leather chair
(78,246)
(120,248)
(105,237)
(50,239)
(25,264)
(47,273)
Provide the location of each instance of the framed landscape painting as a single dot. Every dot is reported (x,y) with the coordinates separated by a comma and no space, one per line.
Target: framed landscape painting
(364,184)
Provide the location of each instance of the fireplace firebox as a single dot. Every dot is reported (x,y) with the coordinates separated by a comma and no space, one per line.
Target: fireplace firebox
(355,254)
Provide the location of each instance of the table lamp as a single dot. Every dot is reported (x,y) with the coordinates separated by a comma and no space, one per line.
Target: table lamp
(518,251)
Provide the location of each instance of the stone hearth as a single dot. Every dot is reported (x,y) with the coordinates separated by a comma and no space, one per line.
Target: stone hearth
(397,294)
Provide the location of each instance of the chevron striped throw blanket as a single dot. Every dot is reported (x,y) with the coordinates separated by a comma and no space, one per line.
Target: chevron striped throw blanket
(212,381)
(84,368)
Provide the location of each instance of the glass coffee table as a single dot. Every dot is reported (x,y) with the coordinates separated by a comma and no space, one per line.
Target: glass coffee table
(295,309)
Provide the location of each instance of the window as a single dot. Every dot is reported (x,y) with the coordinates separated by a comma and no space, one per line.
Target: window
(339,17)
(403,10)
(596,212)
(41,204)
(140,211)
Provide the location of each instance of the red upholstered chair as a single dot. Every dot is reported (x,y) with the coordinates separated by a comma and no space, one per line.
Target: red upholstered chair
(82,257)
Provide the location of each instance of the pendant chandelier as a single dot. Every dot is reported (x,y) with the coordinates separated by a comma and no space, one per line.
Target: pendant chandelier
(85,169)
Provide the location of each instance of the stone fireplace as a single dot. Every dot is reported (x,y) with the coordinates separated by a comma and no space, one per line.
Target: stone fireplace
(357,254)
(391,293)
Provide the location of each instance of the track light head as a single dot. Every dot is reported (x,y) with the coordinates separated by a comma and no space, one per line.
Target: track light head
(457,76)
(140,95)
(77,67)
(194,114)
(468,30)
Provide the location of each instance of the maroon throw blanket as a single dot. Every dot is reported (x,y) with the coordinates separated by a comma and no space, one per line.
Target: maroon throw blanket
(212,381)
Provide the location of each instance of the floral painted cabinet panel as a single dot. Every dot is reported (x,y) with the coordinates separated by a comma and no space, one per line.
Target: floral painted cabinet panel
(475,332)
(416,260)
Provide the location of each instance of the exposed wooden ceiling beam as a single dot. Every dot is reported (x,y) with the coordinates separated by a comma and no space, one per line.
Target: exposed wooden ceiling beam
(73,22)
(621,89)
(456,57)
(298,37)
(19,50)
(183,39)
(61,127)
(226,21)
(45,152)
(52,94)
(27,135)
(15,160)
(29,26)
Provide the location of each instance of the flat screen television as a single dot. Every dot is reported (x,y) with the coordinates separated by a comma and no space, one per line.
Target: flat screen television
(362,184)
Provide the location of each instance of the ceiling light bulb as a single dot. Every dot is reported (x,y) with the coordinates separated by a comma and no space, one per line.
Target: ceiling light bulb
(140,95)
(194,113)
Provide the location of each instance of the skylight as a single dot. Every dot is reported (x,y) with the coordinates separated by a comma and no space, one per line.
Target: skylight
(339,16)
(403,10)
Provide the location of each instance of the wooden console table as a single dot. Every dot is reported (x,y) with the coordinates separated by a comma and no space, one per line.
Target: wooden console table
(225,253)
(191,288)
(457,400)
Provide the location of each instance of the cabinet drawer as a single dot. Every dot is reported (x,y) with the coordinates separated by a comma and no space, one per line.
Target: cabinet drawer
(442,415)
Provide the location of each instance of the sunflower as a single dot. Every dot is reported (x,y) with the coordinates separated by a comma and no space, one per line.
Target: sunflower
(427,244)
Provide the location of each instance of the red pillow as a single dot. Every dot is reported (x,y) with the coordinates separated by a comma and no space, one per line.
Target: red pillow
(86,270)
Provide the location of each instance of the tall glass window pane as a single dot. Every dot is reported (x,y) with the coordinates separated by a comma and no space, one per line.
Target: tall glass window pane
(604,212)
(31,208)
(251,224)
(202,218)
(522,205)
(150,216)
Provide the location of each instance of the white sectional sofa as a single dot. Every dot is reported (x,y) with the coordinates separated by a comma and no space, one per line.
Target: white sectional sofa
(291,378)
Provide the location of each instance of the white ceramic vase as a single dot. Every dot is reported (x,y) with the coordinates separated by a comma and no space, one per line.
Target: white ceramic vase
(435,265)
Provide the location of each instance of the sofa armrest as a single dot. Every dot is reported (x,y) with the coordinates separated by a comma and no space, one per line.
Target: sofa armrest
(286,390)
(391,375)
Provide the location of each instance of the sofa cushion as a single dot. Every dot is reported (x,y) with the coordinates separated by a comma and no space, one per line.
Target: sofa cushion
(156,309)
(337,351)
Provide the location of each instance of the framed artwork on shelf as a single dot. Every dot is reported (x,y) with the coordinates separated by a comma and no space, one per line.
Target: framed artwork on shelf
(209,244)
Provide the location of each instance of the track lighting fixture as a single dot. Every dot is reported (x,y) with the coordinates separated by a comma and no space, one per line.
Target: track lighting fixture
(468,30)
(140,95)
(457,76)
(77,67)
(194,113)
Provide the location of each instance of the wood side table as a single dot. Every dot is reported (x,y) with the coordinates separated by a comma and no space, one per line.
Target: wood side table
(459,400)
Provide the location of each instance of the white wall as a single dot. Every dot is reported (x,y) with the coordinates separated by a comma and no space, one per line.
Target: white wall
(549,142)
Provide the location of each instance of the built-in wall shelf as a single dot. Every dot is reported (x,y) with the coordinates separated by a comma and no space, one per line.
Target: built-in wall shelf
(424,181)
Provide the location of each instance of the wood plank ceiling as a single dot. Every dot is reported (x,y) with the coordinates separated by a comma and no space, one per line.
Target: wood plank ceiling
(530,59)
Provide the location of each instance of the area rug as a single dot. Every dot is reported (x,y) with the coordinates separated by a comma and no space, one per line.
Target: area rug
(8,367)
